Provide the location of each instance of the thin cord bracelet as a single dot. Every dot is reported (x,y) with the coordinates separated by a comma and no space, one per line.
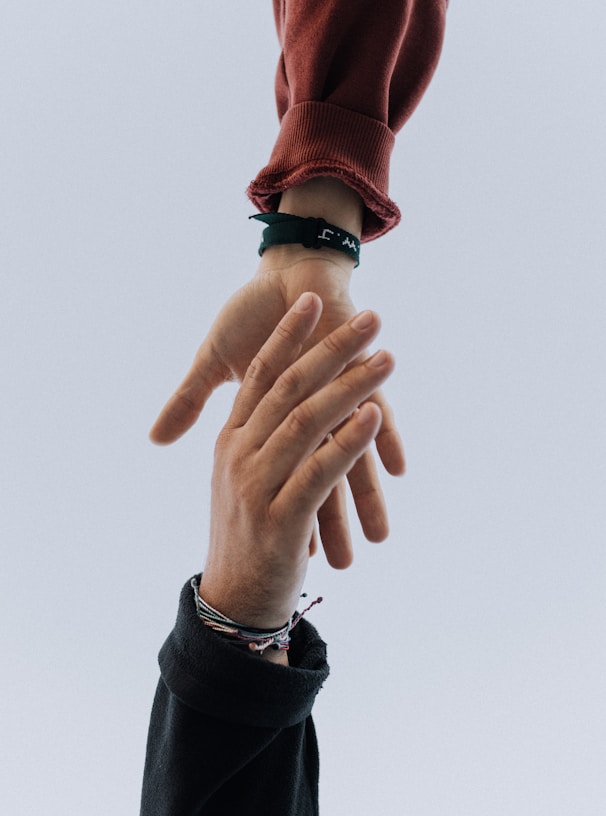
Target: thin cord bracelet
(313,233)
(257,640)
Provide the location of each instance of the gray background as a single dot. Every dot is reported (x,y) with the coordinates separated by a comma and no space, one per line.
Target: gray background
(467,651)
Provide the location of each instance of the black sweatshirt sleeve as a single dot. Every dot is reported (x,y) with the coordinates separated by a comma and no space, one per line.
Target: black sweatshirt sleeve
(231,733)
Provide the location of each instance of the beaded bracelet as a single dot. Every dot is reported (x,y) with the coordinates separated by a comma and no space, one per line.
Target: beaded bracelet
(313,233)
(257,640)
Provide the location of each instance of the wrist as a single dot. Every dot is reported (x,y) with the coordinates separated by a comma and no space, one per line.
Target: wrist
(325,197)
(268,611)
(271,646)
(288,259)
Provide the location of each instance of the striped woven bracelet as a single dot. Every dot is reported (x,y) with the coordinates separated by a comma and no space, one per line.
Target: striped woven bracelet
(257,640)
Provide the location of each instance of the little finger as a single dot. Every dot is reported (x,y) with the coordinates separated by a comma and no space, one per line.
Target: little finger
(368,497)
(334,528)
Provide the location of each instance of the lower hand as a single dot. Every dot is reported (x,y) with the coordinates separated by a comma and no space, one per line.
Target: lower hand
(275,467)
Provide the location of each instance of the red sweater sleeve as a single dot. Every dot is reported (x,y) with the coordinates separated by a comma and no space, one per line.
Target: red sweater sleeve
(350,74)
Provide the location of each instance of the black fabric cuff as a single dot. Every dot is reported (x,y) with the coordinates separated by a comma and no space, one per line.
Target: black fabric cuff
(218,678)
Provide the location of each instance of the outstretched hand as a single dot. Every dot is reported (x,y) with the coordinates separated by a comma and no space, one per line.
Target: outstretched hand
(241,328)
(275,467)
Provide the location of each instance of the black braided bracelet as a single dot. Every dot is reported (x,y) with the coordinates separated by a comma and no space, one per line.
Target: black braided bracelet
(313,233)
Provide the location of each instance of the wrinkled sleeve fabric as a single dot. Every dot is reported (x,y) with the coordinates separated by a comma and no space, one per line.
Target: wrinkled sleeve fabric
(350,74)
(229,732)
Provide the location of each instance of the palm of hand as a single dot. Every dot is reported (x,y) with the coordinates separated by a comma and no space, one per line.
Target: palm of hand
(250,316)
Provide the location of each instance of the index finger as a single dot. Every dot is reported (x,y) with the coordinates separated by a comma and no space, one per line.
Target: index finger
(277,353)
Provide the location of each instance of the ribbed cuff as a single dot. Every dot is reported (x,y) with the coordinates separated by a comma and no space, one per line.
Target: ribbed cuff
(319,139)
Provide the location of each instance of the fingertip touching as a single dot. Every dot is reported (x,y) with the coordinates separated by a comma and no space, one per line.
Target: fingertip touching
(306,301)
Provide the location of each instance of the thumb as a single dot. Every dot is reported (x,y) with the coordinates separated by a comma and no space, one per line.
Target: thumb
(184,407)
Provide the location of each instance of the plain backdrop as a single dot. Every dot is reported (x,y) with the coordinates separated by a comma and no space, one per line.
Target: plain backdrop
(467,651)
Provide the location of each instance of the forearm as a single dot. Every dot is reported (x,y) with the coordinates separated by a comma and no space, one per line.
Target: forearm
(350,75)
(325,197)
(230,733)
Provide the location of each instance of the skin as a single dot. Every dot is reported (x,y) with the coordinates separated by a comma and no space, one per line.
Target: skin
(276,463)
(248,319)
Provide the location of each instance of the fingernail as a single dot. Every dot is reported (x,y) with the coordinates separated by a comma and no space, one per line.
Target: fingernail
(378,360)
(363,320)
(304,302)
(365,414)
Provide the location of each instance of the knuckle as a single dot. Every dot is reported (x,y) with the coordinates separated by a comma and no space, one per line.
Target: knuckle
(301,420)
(259,369)
(290,383)
(224,444)
(349,384)
(334,343)
(314,474)
(344,445)
(285,332)
(366,491)
(245,492)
